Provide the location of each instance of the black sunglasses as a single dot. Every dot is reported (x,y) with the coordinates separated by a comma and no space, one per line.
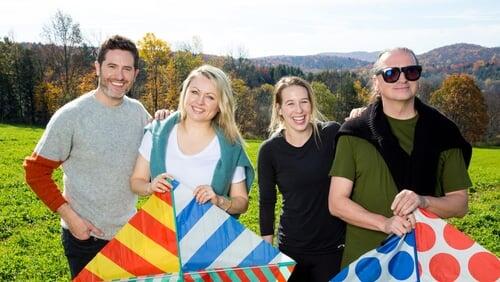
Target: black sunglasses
(391,75)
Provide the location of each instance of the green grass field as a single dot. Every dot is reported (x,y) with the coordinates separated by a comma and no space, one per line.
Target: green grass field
(30,248)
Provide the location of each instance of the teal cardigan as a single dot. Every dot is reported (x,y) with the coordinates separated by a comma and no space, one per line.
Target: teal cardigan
(232,156)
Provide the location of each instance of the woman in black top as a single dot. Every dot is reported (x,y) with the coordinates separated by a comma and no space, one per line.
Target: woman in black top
(297,159)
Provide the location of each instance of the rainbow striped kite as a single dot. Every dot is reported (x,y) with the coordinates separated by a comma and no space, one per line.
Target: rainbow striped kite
(433,251)
(199,243)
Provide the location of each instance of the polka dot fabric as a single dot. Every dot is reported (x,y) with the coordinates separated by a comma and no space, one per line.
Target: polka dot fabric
(434,251)
(394,260)
(446,254)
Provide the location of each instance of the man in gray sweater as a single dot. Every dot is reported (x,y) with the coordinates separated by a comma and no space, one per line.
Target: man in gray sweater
(95,138)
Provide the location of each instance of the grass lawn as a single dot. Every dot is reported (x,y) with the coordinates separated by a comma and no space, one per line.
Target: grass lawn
(30,246)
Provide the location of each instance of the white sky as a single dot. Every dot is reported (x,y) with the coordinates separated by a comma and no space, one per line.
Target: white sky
(269,27)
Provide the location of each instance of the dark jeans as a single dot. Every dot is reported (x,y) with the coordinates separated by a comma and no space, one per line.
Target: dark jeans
(80,252)
(316,267)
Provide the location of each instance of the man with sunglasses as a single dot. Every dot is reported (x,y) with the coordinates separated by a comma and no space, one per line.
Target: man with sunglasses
(399,155)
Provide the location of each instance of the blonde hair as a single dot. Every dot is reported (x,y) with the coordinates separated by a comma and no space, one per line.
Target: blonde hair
(224,119)
(277,123)
(378,65)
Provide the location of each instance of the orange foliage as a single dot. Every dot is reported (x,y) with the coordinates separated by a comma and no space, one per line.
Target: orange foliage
(461,100)
(48,97)
(87,82)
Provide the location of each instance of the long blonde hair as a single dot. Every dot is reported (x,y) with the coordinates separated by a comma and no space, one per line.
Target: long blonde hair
(224,119)
(277,122)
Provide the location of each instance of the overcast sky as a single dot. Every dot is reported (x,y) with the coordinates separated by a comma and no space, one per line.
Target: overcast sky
(269,27)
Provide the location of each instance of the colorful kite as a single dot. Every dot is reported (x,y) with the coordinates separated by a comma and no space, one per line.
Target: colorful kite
(434,251)
(201,243)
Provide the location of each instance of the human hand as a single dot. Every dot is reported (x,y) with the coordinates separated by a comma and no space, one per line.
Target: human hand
(160,184)
(356,112)
(82,229)
(162,114)
(412,220)
(78,226)
(398,225)
(406,202)
(205,193)
(268,238)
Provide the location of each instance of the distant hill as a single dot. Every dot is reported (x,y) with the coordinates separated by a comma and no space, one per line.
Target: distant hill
(447,59)
(481,62)
(359,55)
(313,63)
(459,56)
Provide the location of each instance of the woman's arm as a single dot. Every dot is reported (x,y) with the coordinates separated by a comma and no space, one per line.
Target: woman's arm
(267,192)
(238,199)
(236,203)
(139,181)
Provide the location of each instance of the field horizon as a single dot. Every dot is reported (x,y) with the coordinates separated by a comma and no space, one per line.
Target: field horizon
(30,247)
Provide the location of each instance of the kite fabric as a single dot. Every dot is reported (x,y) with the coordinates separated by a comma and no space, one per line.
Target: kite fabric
(433,251)
(200,243)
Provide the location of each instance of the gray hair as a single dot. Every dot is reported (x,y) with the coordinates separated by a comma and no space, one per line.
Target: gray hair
(381,56)
(378,65)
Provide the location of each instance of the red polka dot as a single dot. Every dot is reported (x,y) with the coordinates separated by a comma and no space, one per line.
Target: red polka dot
(419,269)
(425,235)
(456,239)
(428,213)
(484,266)
(444,267)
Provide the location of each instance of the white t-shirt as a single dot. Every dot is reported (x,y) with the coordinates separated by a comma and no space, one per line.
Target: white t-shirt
(191,170)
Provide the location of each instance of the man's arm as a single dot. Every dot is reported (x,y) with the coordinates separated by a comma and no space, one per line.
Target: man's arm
(452,204)
(454,179)
(340,205)
(39,177)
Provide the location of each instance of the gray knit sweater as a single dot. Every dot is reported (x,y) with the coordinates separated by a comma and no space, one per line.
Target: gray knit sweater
(98,146)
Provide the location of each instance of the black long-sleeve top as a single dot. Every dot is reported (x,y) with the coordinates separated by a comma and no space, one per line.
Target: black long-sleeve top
(301,175)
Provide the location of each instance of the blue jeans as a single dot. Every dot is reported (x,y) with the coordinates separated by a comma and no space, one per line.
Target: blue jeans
(80,252)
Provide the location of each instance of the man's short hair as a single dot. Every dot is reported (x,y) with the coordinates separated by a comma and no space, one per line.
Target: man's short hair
(121,43)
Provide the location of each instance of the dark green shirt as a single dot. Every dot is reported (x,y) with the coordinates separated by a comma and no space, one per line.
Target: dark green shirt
(374,188)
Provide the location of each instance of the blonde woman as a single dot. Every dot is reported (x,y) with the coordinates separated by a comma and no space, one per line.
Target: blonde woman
(200,146)
(297,158)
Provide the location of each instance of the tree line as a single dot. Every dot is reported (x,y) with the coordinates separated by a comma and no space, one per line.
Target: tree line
(36,79)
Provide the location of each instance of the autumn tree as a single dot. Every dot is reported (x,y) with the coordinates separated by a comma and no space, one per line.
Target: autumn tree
(66,59)
(87,82)
(346,98)
(324,98)
(492,98)
(461,100)
(363,92)
(179,67)
(46,98)
(263,96)
(245,104)
(426,86)
(156,54)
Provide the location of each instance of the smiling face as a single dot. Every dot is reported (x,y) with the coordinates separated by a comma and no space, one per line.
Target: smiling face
(295,108)
(116,76)
(202,99)
(403,89)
